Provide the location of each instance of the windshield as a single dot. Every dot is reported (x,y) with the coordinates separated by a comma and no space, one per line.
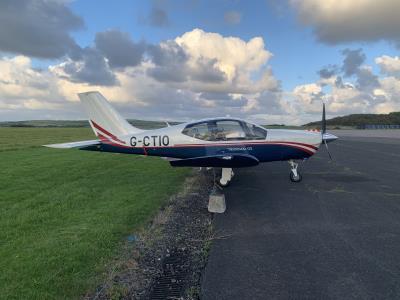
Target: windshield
(225,130)
(255,132)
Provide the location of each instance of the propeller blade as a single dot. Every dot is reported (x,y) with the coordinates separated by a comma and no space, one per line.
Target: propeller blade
(326,137)
(323,123)
(327,149)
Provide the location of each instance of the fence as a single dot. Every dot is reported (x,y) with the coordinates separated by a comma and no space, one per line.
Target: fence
(379,126)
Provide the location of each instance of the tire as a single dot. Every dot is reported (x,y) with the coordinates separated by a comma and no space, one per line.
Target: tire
(223,185)
(297,178)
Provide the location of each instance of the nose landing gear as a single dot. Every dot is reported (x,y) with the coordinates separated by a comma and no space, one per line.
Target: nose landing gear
(295,175)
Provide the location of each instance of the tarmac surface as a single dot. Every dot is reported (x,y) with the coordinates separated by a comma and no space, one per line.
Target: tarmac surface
(335,235)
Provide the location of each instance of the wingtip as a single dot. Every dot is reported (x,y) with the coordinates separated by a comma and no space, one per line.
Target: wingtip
(73,144)
(55,146)
(88,92)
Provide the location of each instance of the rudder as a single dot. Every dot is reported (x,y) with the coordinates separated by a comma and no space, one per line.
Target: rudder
(103,118)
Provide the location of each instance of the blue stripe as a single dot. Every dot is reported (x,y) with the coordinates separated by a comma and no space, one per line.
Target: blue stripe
(263,152)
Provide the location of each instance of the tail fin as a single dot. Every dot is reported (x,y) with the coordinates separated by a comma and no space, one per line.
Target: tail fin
(103,118)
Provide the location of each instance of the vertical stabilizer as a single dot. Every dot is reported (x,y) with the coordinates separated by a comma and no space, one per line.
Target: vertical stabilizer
(103,118)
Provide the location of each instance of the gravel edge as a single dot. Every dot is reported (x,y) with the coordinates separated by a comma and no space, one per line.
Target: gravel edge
(183,224)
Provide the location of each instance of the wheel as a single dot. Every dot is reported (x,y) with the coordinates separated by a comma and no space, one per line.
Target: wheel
(295,178)
(223,184)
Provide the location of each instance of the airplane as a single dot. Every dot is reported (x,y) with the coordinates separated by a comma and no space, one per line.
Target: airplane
(224,143)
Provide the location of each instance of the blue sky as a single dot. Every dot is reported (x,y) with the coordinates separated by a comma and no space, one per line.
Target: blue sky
(63,47)
(297,54)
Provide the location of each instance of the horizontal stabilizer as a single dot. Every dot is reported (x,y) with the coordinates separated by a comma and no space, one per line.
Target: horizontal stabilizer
(80,144)
(217,161)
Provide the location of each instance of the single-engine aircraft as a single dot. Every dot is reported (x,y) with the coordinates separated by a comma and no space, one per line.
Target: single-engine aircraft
(216,142)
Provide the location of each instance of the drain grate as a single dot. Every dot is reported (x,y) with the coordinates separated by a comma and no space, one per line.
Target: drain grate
(170,284)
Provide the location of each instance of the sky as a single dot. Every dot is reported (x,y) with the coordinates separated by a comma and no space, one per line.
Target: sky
(268,61)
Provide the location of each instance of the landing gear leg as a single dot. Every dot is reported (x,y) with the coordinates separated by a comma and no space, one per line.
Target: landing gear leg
(226,177)
(216,185)
(295,175)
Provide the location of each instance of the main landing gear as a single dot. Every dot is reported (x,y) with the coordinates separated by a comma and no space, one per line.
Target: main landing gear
(295,175)
(226,177)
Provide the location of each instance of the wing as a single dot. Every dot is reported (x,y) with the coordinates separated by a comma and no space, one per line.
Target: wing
(79,145)
(218,161)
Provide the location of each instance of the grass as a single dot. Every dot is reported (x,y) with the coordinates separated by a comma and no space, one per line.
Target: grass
(64,213)
(25,138)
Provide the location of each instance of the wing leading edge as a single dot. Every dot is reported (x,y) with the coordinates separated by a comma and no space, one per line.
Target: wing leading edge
(81,144)
(218,161)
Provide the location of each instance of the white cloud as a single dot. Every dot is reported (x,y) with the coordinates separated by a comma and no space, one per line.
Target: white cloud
(391,90)
(337,21)
(349,89)
(237,59)
(193,64)
(345,98)
(305,102)
(307,93)
(26,92)
(247,88)
(389,65)
(20,81)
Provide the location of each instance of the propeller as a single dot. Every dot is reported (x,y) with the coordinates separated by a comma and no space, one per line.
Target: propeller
(326,136)
(327,149)
(323,125)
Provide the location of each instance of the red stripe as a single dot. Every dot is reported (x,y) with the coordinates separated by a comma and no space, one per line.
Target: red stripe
(102,137)
(145,150)
(244,143)
(295,143)
(97,126)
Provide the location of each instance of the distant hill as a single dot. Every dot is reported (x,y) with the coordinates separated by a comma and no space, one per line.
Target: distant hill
(359,120)
(45,123)
(80,123)
(355,120)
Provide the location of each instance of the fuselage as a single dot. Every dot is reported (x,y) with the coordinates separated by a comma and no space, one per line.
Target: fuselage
(216,142)
(209,138)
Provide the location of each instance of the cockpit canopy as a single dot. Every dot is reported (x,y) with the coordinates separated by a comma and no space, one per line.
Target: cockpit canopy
(225,130)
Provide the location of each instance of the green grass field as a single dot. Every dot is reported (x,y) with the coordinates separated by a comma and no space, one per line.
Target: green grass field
(65,213)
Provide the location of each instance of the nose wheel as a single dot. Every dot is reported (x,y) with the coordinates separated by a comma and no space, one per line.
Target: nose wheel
(295,175)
